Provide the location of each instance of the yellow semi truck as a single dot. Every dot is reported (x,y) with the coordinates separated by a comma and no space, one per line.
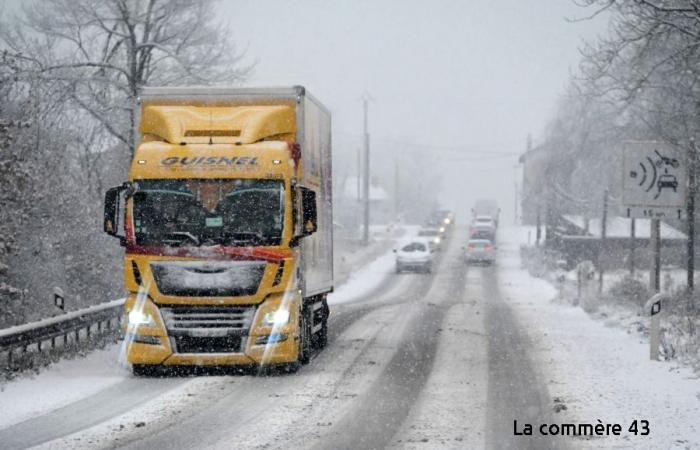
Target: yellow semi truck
(226,220)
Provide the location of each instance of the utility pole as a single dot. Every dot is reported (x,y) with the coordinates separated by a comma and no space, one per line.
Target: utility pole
(397,190)
(655,275)
(515,194)
(690,213)
(603,234)
(538,233)
(633,244)
(365,181)
(359,174)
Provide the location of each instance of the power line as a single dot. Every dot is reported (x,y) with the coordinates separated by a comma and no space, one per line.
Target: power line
(432,147)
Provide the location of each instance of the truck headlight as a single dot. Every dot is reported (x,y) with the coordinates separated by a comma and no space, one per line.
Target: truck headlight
(279,317)
(138,317)
(437,240)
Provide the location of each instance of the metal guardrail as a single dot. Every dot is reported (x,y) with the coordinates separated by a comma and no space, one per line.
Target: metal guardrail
(102,317)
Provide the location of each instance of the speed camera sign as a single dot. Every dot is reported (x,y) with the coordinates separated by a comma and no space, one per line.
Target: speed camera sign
(653,180)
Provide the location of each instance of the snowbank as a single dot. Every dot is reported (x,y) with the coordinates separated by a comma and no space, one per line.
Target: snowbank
(599,372)
(364,280)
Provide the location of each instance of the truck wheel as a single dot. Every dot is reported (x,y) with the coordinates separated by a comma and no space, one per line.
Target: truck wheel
(320,339)
(305,337)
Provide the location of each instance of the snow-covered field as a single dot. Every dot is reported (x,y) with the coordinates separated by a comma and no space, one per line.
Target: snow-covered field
(600,372)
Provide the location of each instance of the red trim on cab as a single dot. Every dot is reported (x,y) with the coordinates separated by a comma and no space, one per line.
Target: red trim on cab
(235,253)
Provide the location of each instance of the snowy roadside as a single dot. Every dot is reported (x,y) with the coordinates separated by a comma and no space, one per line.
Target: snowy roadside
(598,372)
(62,383)
(373,272)
(349,254)
(364,280)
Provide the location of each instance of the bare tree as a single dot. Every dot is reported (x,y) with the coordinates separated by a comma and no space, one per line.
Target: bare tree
(650,64)
(101,52)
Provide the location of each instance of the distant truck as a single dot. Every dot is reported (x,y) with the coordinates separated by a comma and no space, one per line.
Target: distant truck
(486,207)
(227,223)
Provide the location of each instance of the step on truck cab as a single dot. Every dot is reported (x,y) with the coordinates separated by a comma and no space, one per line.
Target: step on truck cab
(226,220)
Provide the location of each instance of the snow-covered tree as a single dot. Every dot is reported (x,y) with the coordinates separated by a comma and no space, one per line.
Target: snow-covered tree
(102,52)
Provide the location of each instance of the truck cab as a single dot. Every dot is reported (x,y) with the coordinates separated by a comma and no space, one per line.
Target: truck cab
(226,223)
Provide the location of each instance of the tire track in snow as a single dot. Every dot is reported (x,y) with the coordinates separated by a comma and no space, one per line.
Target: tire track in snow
(515,389)
(77,416)
(381,410)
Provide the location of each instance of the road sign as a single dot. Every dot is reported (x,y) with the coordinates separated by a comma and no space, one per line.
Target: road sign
(654,180)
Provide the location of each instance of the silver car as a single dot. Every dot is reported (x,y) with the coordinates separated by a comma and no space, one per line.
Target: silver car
(414,255)
(479,251)
(434,237)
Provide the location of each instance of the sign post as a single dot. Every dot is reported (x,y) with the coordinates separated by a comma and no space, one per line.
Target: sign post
(690,212)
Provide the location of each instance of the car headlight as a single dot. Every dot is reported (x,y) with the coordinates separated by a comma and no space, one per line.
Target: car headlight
(138,317)
(279,317)
(437,240)
(447,221)
(442,229)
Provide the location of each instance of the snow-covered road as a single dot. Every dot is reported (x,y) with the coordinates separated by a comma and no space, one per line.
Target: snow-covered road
(447,360)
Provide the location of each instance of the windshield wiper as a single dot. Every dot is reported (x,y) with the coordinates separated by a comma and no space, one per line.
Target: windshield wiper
(182,234)
(244,237)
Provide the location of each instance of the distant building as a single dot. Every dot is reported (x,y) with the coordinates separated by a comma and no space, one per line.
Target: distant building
(349,208)
(535,162)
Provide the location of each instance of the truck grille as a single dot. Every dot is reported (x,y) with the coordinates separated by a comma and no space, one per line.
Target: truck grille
(208,329)
(188,344)
(208,278)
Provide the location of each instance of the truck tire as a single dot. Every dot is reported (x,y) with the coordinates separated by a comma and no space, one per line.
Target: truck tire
(320,339)
(305,336)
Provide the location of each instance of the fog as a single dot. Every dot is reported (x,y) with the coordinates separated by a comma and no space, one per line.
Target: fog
(462,82)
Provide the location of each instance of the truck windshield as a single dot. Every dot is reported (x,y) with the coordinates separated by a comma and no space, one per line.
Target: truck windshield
(198,212)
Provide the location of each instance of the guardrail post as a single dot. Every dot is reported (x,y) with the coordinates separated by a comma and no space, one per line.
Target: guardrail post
(653,305)
(9,357)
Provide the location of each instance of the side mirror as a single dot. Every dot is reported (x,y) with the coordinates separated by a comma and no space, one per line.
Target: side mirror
(309,215)
(113,214)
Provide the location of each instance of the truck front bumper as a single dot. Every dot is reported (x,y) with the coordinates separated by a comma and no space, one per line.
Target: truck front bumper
(152,345)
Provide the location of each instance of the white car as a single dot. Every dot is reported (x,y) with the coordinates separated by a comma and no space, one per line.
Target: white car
(414,255)
(479,251)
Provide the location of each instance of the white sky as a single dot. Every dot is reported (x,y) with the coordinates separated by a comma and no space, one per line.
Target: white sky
(478,75)
(475,74)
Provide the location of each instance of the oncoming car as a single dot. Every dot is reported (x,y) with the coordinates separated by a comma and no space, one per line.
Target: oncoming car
(434,236)
(415,255)
(479,251)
